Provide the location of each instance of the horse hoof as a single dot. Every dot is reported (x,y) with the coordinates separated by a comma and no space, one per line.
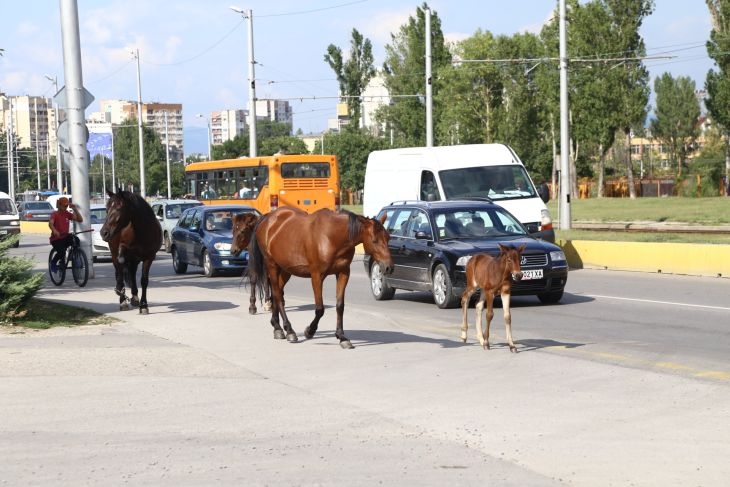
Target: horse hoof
(346,344)
(124,307)
(292,338)
(135,301)
(144,311)
(278,335)
(513,349)
(252,310)
(308,334)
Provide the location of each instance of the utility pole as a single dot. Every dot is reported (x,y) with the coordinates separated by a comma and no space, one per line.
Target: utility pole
(429,85)
(142,190)
(252,150)
(564,195)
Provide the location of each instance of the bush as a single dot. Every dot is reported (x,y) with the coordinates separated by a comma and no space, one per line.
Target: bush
(18,282)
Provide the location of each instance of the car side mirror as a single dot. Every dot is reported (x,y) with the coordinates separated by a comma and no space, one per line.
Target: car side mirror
(543,190)
(423,236)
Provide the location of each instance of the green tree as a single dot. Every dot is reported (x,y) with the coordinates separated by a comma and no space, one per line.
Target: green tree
(18,282)
(354,74)
(351,146)
(404,73)
(717,83)
(677,111)
(126,156)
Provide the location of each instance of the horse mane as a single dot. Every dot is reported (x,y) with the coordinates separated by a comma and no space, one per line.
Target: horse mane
(138,206)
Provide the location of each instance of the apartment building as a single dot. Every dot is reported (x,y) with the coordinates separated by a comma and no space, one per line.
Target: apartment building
(227,124)
(164,118)
(274,110)
(32,119)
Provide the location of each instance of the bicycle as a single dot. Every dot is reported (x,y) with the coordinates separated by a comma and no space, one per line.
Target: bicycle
(75,257)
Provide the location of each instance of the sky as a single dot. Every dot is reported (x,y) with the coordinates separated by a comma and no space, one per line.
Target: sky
(195,52)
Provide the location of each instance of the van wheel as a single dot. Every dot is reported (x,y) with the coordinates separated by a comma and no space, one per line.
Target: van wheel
(443,291)
(381,290)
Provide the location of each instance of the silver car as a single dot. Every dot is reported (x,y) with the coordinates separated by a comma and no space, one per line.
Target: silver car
(99,248)
(168,213)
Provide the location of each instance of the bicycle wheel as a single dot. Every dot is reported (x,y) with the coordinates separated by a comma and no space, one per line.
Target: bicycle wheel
(79,266)
(56,272)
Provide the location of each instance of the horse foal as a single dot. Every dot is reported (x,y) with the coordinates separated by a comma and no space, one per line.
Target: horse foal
(491,275)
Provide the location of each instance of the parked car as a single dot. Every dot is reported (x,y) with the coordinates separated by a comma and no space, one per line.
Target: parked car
(9,218)
(168,213)
(431,242)
(35,211)
(99,248)
(203,237)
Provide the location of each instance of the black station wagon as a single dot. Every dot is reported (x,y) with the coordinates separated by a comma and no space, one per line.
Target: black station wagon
(431,242)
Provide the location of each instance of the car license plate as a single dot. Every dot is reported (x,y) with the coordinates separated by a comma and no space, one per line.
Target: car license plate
(3,232)
(531,274)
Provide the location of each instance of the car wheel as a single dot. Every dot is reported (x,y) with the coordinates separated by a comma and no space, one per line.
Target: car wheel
(168,242)
(381,290)
(443,292)
(178,266)
(208,269)
(551,297)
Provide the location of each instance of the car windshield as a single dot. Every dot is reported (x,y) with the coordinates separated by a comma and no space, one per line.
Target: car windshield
(477,223)
(495,182)
(6,207)
(97,215)
(174,210)
(38,205)
(221,220)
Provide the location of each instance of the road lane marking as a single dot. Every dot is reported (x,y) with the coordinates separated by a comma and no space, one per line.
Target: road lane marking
(653,301)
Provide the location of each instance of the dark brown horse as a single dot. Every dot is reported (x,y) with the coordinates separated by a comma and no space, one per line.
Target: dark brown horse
(492,275)
(290,242)
(243,227)
(134,236)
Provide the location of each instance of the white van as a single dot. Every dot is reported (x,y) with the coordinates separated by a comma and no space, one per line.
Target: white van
(491,171)
(9,217)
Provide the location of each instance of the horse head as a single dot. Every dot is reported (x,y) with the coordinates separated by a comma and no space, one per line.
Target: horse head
(511,257)
(376,240)
(243,227)
(117,215)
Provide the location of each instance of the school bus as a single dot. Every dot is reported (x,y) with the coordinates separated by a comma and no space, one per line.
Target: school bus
(306,181)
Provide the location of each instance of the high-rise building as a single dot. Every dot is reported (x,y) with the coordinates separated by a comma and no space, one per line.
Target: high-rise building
(32,122)
(227,124)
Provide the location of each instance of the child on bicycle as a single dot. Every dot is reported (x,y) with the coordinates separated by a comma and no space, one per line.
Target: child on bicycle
(60,238)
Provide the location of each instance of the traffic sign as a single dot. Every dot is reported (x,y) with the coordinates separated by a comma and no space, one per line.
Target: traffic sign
(60,98)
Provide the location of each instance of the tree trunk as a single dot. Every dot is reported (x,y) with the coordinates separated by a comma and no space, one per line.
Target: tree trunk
(630,169)
(601,163)
(727,166)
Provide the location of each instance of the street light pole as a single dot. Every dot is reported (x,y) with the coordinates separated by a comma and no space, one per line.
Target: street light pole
(248,14)
(207,124)
(167,157)
(56,112)
(142,190)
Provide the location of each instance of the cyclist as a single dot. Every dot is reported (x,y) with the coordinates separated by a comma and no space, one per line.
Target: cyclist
(59,224)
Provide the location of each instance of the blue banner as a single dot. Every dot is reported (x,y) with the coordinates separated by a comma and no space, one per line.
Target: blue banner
(99,143)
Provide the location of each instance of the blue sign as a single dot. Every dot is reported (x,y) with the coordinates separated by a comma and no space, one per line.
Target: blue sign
(99,144)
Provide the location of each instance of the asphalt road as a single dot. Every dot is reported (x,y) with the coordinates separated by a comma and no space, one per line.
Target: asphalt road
(627,382)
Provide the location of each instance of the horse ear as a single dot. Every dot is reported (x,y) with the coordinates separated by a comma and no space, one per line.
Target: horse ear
(110,192)
(382,218)
(503,248)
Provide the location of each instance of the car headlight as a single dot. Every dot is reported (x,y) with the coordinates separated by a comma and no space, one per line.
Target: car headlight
(15,223)
(557,256)
(219,246)
(463,260)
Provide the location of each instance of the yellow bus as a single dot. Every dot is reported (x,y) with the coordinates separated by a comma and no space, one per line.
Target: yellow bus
(305,181)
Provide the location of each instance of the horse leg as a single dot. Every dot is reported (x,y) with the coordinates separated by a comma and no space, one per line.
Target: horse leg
(465,297)
(144,280)
(291,335)
(132,266)
(479,312)
(508,321)
(119,289)
(267,296)
(342,279)
(317,281)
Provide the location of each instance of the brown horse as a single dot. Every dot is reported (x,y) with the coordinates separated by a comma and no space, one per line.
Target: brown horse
(134,236)
(492,275)
(243,227)
(290,242)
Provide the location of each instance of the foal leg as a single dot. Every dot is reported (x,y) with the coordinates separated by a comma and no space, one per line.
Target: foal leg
(490,314)
(508,321)
(465,297)
(252,300)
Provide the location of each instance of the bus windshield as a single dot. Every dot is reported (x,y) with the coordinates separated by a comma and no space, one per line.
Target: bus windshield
(494,182)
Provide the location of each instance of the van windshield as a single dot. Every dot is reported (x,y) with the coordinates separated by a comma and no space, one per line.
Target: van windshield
(495,182)
(6,207)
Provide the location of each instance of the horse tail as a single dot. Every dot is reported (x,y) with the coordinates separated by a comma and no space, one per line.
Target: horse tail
(255,270)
